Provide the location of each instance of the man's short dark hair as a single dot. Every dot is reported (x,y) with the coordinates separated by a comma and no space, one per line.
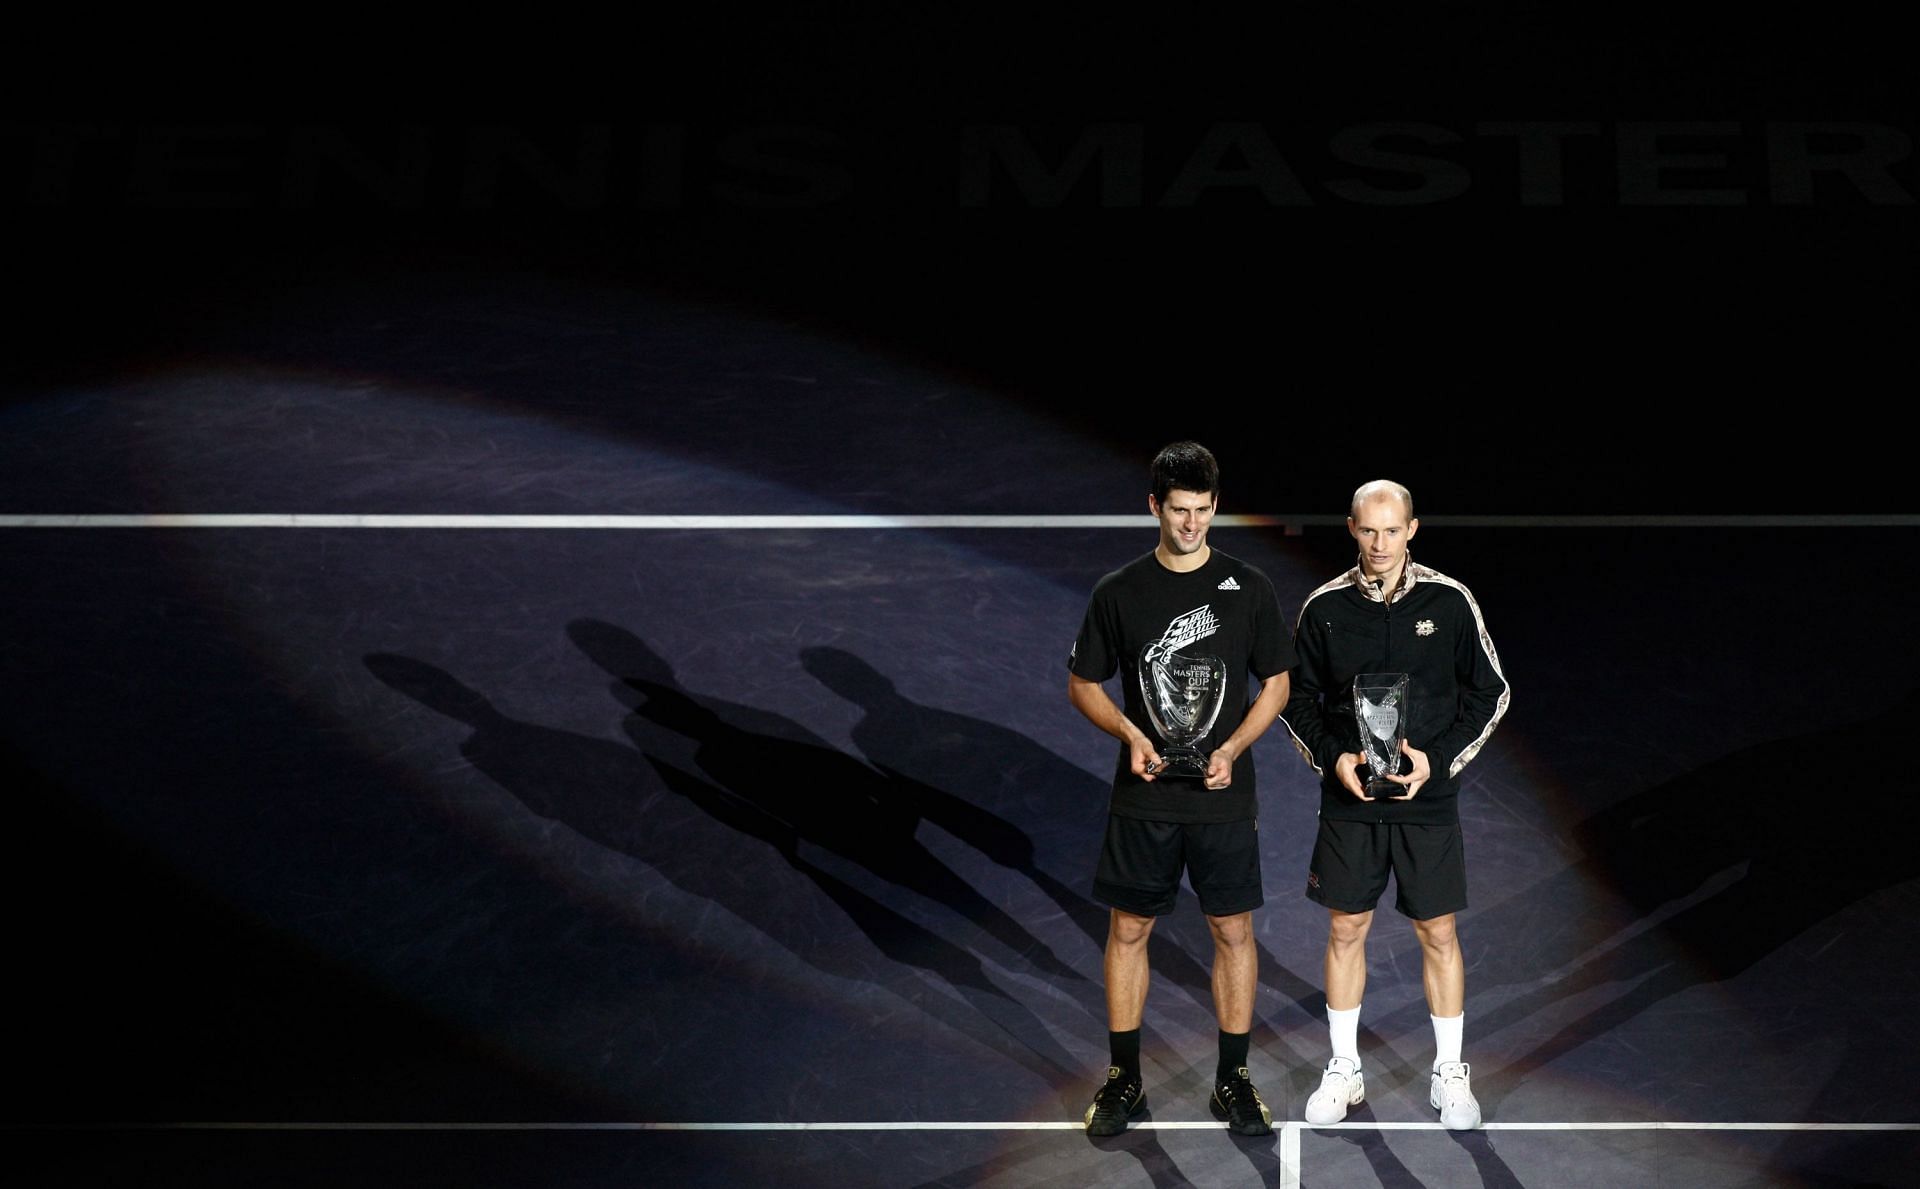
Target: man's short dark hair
(1185,466)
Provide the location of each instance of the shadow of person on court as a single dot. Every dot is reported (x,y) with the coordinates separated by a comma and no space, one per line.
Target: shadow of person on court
(825,797)
(651,811)
(968,777)
(1494,1171)
(1724,865)
(607,793)
(1140,1141)
(1389,1169)
(995,789)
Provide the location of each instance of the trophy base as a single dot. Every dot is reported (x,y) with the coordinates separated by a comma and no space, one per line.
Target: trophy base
(1377,785)
(1178,763)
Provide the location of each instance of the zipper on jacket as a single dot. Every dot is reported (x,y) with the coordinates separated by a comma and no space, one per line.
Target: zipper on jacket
(1387,605)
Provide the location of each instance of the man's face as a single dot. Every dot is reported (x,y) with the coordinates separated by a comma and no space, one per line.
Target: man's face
(1184,517)
(1383,531)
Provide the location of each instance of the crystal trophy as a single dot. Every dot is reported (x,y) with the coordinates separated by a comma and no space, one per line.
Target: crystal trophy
(1183,696)
(1379,700)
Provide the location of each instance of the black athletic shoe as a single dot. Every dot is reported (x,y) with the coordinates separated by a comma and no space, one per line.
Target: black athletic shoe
(1119,1100)
(1237,1104)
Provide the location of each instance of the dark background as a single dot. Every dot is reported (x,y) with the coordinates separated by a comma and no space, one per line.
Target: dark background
(1674,337)
(408,213)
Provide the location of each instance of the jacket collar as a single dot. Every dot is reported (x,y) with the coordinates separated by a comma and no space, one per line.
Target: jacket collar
(1409,574)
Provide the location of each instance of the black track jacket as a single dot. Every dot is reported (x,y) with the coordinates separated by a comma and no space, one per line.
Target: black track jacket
(1432,630)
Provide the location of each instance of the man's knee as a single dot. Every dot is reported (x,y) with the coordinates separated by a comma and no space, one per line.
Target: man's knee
(1231,931)
(1128,929)
(1437,933)
(1348,928)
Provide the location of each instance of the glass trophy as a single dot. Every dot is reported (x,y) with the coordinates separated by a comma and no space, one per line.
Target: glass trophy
(1378,702)
(1183,695)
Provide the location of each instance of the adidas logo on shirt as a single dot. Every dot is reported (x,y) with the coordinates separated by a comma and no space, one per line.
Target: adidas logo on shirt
(1229,584)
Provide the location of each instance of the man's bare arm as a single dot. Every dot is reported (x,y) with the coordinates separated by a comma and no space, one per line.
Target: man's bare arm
(1090,698)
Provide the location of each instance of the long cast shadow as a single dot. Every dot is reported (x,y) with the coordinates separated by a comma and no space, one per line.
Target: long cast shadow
(1733,861)
(930,754)
(654,812)
(1390,1170)
(786,773)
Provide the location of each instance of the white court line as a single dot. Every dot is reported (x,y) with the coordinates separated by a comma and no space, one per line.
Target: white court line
(1292,523)
(947,1126)
(1288,1151)
(434,520)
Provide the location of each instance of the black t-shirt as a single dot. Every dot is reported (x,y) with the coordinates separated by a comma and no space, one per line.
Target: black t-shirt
(1226,609)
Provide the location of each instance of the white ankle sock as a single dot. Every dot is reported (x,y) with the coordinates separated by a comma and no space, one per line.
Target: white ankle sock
(1344,1026)
(1447,1031)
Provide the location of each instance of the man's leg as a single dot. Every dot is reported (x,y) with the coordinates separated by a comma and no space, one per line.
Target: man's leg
(1236,968)
(1138,879)
(1346,965)
(1223,862)
(1123,1095)
(1126,970)
(1442,969)
(1127,975)
(1351,865)
(1444,972)
(1342,1085)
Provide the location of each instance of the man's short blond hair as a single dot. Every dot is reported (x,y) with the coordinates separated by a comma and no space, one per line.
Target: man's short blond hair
(1376,489)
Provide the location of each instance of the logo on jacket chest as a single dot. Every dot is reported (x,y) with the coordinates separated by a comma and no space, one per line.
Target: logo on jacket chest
(1423,628)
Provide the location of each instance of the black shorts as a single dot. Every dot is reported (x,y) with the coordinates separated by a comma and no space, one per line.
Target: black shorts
(1351,862)
(1141,862)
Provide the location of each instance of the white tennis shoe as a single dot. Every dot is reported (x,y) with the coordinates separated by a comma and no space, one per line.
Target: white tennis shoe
(1341,1086)
(1452,1096)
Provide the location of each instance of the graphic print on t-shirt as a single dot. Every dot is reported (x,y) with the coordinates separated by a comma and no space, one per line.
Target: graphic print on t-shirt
(1183,630)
